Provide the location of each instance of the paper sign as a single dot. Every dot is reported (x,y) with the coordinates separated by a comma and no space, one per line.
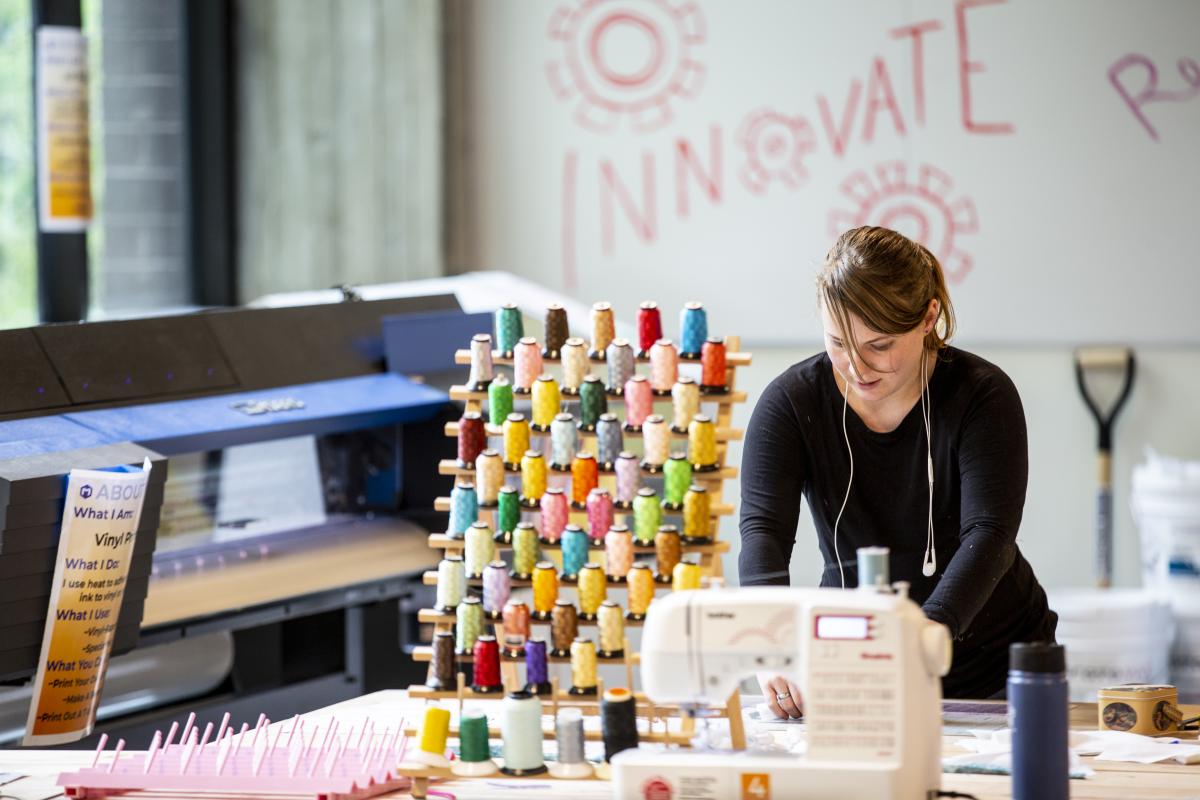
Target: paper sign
(100,522)
(64,152)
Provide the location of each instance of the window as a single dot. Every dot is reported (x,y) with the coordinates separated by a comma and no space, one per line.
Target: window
(18,236)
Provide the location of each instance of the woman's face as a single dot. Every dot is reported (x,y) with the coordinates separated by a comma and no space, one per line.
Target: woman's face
(890,363)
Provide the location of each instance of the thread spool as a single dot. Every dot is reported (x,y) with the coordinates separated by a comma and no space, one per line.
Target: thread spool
(527,365)
(500,400)
(664,367)
(593,590)
(489,477)
(618,721)
(599,514)
(647,515)
(693,329)
(685,576)
(431,747)
(713,369)
(702,444)
(442,667)
(472,438)
(546,402)
(556,331)
(479,549)
(873,568)
(611,623)
(487,666)
(508,512)
(464,510)
(583,667)
(545,590)
(618,553)
(568,730)
(608,441)
(537,677)
(640,582)
(603,329)
(629,479)
(593,402)
(585,476)
(649,325)
(685,403)
(697,516)
(574,552)
(668,550)
(475,754)
(639,402)
(516,439)
(677,477)
(497,586)
(533,478)
(575,365)
(468,625)
(482,372)
(516,628)
(509,329)
(451,583)
(564,627)
(521,733)
(555,512)
(564,442)
(656,441)
(525,551)
(620,365)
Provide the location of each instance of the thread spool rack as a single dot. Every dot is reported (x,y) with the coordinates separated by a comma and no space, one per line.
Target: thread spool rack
(707,555)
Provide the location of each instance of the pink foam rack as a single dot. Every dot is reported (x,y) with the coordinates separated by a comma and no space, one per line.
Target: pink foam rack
(316,761)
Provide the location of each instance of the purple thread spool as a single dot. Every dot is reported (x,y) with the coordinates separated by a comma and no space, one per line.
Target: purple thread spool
(497,586)
(629,479)
(537,679)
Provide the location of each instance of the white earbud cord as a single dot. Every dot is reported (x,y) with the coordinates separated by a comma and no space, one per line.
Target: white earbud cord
(836,555)
(929,565)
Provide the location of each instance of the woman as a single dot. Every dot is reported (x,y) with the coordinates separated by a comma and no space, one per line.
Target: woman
(854,430)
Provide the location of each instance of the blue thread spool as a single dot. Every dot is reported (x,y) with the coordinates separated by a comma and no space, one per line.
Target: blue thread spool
(574,551)
(464,510)
(693,327)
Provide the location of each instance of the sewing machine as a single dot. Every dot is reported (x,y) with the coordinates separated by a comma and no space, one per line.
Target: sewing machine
(868,663)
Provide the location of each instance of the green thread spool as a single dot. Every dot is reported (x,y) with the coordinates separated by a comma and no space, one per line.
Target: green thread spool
(500,400)
(525,551)
(475,756)
(647,515)
(469,625)
(508,514)
(592,402)
(509,328)
(677,478)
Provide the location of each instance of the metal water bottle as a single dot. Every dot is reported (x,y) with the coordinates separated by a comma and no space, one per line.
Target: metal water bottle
(1037,714)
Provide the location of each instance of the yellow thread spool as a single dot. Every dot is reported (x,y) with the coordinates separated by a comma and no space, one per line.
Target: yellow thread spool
(546,402)
(603,329)
(685,403)
(685,576)
(612,630)
(533,477)
(545,590)
(702,444)
(640,580)
(583,666)
(516,439)
(697,516)
(575,365)
(434,730)
(593,590)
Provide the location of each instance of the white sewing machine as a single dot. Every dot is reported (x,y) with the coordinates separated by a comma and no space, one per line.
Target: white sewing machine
(868,663)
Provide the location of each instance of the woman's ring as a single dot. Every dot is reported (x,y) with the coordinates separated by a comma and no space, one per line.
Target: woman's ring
(781,696)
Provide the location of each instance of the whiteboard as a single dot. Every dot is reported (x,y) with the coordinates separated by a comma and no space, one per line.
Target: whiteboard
(1048,152)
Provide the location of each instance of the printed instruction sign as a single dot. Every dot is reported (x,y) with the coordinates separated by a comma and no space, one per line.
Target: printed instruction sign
(99,527)
(64,148)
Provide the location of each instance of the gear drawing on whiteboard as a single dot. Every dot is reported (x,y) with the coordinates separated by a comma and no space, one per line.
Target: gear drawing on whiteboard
(775,146)
(625,58)
(922,209)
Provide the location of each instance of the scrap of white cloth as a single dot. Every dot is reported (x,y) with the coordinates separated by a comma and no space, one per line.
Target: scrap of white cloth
(991,751)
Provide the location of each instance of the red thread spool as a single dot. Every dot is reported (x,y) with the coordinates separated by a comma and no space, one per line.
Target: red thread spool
(472,438)
(585,476)
(487,666)
(713,366)
(649,327)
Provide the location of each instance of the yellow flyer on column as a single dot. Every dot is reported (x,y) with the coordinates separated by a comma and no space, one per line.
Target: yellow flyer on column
(100,522)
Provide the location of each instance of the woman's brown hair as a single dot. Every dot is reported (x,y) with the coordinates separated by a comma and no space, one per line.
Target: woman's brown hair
(887,280)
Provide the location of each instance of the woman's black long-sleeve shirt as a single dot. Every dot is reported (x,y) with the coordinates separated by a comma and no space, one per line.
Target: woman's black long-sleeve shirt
(984,590)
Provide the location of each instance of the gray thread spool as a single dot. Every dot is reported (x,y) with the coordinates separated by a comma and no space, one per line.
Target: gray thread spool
(873,568)
(569,731)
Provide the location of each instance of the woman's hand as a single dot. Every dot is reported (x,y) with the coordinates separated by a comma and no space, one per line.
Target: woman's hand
(783,696)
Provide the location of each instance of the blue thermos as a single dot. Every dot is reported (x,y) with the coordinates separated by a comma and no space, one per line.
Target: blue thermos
(1037,714)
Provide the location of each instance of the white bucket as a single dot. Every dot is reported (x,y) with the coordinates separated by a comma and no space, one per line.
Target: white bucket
(1112,636)
(1185,656)
(1165,502)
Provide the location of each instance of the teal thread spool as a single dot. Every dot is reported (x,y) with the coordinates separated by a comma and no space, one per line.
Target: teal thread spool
(592,403)
(647,515)
(521,732)
(468,625)
(475,756)
(574,551)
(464,509)
(500,400)
(508,512)
(677,478)
(525,551)
(509,329)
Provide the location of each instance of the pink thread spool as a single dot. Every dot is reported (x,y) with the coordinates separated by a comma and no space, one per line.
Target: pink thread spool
(555,514)
(639,402)
(618,553)
(664,367)
(629,479)
(527,365)
(599,513)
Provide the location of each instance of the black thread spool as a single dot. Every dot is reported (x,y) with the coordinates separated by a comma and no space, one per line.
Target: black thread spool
(618,721)
(441,672)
